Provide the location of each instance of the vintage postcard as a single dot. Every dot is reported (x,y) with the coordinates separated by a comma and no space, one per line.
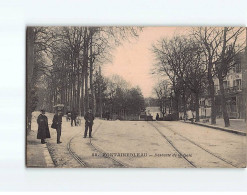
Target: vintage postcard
(136,97)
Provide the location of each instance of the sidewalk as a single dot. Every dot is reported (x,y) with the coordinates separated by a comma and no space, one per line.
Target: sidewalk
(237,126)
(37,154)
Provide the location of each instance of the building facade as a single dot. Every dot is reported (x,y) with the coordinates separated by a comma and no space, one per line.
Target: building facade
(234,93)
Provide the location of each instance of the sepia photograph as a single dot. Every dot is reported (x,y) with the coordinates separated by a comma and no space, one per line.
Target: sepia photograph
(136,97)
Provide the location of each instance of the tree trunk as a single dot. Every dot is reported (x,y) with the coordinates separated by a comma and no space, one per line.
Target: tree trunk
(78,86)
(29,68)
(211,94)
(71,99)
(165,110)
(175,105)
(86,91)
(74,95)
(197,107)
(223,101)
(95,99)
(91,74)
(63,84)
(85,64)
(185,105)
(82,95)
(220,69)
(100,94)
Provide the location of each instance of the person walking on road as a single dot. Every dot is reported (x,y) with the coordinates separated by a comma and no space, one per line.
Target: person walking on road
(89,117)
(157,117)
(68,116)
(73,117)
(57,122)
(43,128)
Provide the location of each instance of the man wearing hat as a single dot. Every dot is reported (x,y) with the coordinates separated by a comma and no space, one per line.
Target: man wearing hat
(89,117)
(43,128)
(57,121)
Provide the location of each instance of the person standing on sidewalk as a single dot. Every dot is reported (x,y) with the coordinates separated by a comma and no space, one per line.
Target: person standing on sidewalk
(89,117)
(43,128)
(57,121)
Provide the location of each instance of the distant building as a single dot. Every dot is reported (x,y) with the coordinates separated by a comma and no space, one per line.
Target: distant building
(233,85)
(205,108)
(153,111)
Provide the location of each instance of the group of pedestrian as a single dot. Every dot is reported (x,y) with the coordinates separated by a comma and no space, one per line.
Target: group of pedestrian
(43,127)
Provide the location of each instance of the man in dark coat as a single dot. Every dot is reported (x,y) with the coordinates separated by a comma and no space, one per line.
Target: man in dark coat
(89,117)
(43,129)
(73,117)
(57,120)
(157,117)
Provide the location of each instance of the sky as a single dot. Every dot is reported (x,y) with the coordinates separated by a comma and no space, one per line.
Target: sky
(133,60)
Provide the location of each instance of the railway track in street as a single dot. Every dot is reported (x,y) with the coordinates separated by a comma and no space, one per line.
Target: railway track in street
(118,163)
(103,152)
(172,145)
(74,155)
(192,142)
(122,165)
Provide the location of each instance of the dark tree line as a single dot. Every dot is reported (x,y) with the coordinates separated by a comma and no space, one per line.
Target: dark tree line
(117,96)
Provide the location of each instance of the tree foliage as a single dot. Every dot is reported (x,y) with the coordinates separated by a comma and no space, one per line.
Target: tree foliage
(192,63)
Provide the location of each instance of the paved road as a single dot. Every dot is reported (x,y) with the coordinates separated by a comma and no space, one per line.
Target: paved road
(147,144)
(171,144)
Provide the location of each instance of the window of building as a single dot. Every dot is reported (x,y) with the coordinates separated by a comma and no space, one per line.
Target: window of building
(228,84)
(216,88)
(238,84)
(238,68)
(225,84)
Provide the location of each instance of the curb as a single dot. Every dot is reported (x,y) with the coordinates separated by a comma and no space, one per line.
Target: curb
(219,128)
(48,160)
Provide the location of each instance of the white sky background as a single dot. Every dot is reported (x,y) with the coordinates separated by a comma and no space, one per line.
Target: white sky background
(133,60)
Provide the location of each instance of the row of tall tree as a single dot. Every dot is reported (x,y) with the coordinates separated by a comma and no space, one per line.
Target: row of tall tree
(62,64)
(192,62)
(118,97)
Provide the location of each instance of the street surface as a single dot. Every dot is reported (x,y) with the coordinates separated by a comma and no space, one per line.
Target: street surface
(137,144)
